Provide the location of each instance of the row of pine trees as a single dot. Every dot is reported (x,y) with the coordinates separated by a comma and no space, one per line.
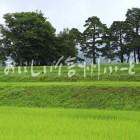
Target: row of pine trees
(120,41)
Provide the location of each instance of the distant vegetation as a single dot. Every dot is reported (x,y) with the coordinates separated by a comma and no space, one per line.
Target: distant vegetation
(28,36)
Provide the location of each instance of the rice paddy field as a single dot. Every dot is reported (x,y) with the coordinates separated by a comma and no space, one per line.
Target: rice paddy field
(90,105)
(70,124)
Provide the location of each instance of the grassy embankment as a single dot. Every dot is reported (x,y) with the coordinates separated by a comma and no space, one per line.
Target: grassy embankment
(113,91)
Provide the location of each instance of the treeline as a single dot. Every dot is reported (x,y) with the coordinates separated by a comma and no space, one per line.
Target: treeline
(28,36)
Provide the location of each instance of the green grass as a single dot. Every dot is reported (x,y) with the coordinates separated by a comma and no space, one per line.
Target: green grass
(120,91)
(79,75)
(71,95)
(49,107)
(68,124)
(62,84)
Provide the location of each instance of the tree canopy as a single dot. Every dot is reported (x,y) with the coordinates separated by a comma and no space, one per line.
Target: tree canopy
(29,36)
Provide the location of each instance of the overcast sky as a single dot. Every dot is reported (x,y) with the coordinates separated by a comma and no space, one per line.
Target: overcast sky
(71,13)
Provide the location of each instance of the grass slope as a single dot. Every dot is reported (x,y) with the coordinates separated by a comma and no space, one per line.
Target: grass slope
(71,95)
(118,91)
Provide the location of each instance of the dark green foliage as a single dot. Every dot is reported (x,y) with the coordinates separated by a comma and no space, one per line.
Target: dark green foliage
(92,38)
(119,41)
(119,30)
(133,19)
(66,42)
(29,36)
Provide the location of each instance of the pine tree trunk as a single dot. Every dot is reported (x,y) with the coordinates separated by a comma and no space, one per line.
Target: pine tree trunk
(128,59)
(135,50)
(135,58)
(121,45)
(122,58)
(94,47)
(94,58)
(138,52)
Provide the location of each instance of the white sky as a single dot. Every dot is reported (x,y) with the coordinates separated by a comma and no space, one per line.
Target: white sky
(71,13)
